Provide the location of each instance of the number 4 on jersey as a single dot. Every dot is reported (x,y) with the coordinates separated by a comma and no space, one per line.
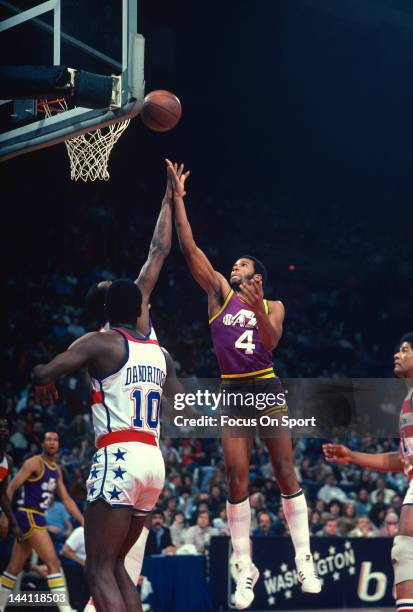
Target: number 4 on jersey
(245,342)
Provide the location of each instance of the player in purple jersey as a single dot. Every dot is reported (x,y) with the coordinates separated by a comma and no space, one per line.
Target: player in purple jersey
(41,478)
(245,329)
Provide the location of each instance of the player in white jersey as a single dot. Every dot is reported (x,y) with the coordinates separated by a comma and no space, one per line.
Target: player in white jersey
(128,372)
(159,249)
(402,551)
(6,513)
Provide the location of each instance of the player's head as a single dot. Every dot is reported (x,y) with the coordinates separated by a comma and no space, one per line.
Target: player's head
(123,302)
(95,301)
(4,432)
(50,443)
(403,358)
(245,268)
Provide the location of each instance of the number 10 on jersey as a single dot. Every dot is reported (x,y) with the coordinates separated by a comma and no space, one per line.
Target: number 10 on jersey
(146,408)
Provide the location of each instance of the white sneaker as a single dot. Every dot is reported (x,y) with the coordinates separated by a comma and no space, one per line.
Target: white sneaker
(90,606)
(307,575)
(246,578)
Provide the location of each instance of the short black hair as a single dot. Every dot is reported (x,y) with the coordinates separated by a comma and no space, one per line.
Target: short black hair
(407,338)
(95,302)
(259,267)
(123,302)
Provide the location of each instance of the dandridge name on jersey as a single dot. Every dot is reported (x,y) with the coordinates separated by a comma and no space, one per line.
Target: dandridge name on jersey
(143,373)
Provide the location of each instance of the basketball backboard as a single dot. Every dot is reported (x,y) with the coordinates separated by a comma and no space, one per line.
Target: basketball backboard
(99,36)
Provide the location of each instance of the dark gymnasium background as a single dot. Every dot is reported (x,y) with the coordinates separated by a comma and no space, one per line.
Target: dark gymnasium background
(297,127)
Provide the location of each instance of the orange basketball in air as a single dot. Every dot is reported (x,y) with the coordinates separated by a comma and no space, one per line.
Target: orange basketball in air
(161,110)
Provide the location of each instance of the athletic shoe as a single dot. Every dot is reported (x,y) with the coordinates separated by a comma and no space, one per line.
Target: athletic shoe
(307,575)
(90,606)
(246,578)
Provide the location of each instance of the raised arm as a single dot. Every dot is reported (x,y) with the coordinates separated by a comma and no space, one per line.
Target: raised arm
(201,268)
(383,462)
(160,246)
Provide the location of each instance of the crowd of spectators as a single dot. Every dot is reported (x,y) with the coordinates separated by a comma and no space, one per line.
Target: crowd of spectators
(330,330)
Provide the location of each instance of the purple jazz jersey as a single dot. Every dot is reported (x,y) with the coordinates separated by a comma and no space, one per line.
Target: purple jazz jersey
(39,491)
(237,343)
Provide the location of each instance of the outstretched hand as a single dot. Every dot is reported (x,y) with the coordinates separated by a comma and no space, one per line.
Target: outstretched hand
(337,453)
(176,178)
(252,293)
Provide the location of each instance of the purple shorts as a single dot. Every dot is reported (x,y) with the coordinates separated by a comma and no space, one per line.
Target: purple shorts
(30,520)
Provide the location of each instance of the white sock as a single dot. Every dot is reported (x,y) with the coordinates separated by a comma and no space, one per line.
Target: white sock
(296,514)
(57,584)
(239,521)
(134,558)
(7,584)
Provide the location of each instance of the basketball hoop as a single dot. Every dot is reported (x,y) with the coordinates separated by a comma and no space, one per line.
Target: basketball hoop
(88,153)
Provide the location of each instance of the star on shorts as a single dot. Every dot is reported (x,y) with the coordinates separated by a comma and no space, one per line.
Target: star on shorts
(119,472)
(114,494)
(120,455)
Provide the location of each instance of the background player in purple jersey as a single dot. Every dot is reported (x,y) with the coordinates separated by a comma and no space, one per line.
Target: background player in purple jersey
(6,513)
(40,478)
(245,330)
(402,551)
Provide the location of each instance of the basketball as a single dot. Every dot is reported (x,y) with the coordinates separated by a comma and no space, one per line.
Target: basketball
(161,110)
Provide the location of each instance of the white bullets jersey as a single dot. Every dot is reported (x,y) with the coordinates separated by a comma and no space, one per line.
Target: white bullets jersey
(130,397)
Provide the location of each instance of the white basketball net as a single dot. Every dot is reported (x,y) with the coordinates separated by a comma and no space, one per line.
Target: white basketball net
(88,153)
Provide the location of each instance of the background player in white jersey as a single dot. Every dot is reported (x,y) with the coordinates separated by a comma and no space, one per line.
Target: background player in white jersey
(128,374)
(6,513)
(402,551)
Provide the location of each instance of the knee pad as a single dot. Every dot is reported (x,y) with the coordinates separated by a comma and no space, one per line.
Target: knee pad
(402,558)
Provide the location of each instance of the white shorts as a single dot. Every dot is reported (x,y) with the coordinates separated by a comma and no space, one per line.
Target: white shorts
(127,475)
(408,498)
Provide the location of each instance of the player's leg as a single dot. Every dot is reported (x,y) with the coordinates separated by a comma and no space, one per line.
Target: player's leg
(295,509)
(126,582)
(44,547)
(133,560)
(134,557)
(237,453)
(19,554)
(103,553)
(402,557)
